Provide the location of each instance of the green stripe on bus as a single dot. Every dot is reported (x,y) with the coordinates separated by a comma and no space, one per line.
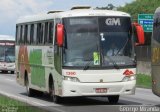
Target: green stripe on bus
(37,72)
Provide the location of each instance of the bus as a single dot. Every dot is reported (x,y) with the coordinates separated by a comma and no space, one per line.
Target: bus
(64,53)
(155,53)
(7,54)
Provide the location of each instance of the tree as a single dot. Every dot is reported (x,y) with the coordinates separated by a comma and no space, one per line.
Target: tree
(141,7)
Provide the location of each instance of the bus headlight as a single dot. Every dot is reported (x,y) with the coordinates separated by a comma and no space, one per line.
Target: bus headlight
(129,78)
(73,79)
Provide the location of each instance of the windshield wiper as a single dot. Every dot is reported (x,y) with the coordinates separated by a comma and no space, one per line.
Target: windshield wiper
(113,62)
(122,48)
(86,67)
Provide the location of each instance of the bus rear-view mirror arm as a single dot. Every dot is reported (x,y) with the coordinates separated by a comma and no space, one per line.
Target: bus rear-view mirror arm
(140,34)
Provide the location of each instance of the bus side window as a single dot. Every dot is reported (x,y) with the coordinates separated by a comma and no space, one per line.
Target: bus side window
(25,34)
(42,34)
(32,34)
(16,34)
(50,39)
(28,34)
(38,33)
(21,31)
(46,33)
(35,34)
(18,29)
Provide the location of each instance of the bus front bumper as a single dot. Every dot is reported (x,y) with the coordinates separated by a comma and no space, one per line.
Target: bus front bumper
(89,89)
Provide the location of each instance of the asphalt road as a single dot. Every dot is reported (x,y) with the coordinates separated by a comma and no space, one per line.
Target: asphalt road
(130,103)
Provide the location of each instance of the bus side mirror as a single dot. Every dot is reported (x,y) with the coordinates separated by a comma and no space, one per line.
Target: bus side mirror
(140,34)
(60,34)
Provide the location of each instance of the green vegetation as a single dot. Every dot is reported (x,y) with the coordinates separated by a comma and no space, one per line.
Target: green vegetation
(10,105)
(144,81)
(136,7)
(140,7)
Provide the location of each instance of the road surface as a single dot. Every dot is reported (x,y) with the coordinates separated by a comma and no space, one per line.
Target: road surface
(10,88)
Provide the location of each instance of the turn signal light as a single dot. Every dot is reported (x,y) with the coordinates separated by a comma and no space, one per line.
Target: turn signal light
(128,73)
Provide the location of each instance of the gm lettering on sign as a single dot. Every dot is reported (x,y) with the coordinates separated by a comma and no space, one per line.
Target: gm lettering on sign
(113,22)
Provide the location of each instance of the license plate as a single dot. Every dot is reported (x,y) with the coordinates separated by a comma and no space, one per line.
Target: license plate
(101,90)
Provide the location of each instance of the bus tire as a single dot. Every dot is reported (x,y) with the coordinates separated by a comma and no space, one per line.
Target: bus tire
(30,92)
(113,99)
(55,98)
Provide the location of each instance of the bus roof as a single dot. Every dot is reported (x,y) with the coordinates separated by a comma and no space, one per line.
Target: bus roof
(7,37)
(71,13)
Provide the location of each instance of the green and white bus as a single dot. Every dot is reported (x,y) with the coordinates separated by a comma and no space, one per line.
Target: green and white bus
(155,53)
(7,54)
(65,53)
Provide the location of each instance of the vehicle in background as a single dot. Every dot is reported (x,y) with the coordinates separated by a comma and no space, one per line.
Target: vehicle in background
(7,54)
(155,53)
(65,53)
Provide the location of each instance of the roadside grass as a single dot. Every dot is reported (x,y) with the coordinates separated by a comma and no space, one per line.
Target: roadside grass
(144,81)
(10,105)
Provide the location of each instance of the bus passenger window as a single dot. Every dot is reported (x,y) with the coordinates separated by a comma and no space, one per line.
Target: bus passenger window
(41,34)
(50,39)
(35,34)
(46,33)
(25,34)
(28,34)
(38,33)
(21,31)
(32,34)
(18,34)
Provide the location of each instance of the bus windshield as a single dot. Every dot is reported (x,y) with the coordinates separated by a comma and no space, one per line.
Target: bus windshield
(98,42)
(7,52)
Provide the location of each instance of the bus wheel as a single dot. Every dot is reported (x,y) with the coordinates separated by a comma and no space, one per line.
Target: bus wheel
(113,99)
(55,98)
(29,90)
